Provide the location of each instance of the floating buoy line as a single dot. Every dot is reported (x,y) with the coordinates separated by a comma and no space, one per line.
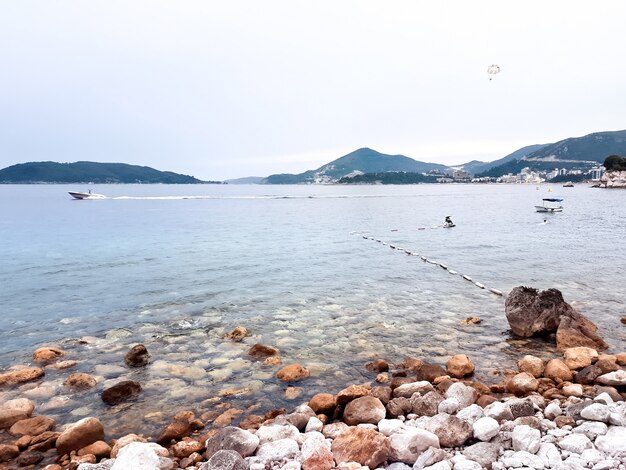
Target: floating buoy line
(429,261)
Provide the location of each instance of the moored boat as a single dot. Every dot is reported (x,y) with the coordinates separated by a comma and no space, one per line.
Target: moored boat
(550,204)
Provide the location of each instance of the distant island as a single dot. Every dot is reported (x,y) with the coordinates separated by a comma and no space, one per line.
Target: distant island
(91,172)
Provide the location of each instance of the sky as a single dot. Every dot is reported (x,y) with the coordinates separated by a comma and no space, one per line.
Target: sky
(228,89)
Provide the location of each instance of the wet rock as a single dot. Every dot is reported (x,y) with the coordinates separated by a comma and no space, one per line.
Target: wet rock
(408,443)
(323,403)
(79,435)
(8,452)
(32,426)
(272,361)
(459,366)
(224,460)
(20,376)
(451,431)
(61,365)
(365,446)
(185,448)
(80,381)
(99,448)
(121,392)
(47,355)
(138,356)
(278,451)
(292,373)
(377,365)
(352,392)
(579,358)
(44,441)
(411,364)
(261,350)
(471,321)
(578,332)
(429,372)
(30,457)
(15,410)
(238,334)
(364,410)
(532,365)
(142,456)
(557,371)
(180,426)
(522,384)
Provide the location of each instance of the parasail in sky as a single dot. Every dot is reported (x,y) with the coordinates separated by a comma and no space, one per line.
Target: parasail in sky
(492,70)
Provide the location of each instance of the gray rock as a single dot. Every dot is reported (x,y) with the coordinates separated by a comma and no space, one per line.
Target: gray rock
(471,414)
(465,395)
(615,379)
(426,405)
(224,460)
(408,443)
(275,432)
(232,438)
(521,407)
(485,453)
(451,431)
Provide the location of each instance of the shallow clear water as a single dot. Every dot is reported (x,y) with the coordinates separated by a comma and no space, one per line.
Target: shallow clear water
(152,265)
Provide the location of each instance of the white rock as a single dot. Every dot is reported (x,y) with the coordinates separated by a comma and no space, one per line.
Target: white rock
(449,406)
(142,456)
(276,432)
(280,449)
(552,410)
(486,428)
(314,424)
(312,442)
(523,459)
(407,390)
(389,426)
(608,464)
(614,379)
(333,430)
(465,395)
(596,412)
(592,456)
(443,465)
(591,429)
(549,455)
(471,414)
(408,443)
(604,397)
(573,390)
(467,465)
(613,442)
(293,465)
(575,443)
(399,466)
(526,439)
(498,411)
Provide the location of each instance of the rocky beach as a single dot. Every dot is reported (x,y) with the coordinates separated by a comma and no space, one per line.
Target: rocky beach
(562,412)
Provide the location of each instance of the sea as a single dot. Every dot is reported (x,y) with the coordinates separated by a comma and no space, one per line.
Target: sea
(177,267)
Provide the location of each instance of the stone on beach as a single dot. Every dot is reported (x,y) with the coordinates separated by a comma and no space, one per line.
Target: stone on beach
(261,350)
(138,356)
(14,377)
(451,431)
(79,435)
(365,446)
(558,371)
(80,381)
(485,428)
(323,403)
(15,410)
(615,379)
(522,384)
(142,456)
(526,438)
(579,357)
(237,334)
(408,443)
(292,373)
(121,392)
(407,390)
(47,355)
(532,365)
(459,366)
(232,438)
(366,409)
(32,426)
(224,460)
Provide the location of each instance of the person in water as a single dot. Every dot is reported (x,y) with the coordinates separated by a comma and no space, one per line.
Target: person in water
(448,220)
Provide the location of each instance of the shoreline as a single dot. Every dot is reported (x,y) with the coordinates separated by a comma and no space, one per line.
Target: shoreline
(400,389)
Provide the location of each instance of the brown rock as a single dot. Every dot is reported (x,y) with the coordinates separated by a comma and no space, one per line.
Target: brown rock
(377,365)
(365,446)
(260,350)
(621,359)
(522,384)
(459,366)
(99,448)
(62,364)
(121,392)
(578,332)
(382,393)
(485,400)
(251,422)
(8,452)
(320,459)
(43,442)
(579,358)
(532,365)
(23,442)
(426,405)
(399,381)
(15,377)
(138,356)
(185,448)
(227,417)
(238,334)
(588,375)
(80,381)
(124,441)
(451,431)
(15,410)
(607,365)
(399,407)
(323,403)
(430,372)
(47,355)
(623,320)
(32,426)
(79,435)
(364,410)
(178,428)
(352,392)
(558,371)
(30,457)
(292,373)
(470,321)
(272,361)
(411,364)
(564,420)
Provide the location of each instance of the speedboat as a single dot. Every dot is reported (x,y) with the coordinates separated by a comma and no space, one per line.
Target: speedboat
(550,204)
(87,195)
(569,184)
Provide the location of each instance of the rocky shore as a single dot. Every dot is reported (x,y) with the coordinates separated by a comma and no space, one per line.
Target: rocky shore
(567,413)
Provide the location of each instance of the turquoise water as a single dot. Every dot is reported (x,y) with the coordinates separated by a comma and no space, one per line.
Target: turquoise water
(176,266)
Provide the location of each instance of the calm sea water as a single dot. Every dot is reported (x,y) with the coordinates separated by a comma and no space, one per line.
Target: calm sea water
(176,266)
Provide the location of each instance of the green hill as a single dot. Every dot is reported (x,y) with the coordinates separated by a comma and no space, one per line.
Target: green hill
(86,172)
(364,160)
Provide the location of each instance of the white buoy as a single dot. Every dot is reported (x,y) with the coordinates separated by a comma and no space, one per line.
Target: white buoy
(443,266)
(467,278)
(452,271)
(478,284)
(495,291)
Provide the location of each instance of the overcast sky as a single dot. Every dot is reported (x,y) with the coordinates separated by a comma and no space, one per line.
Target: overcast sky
(226,89)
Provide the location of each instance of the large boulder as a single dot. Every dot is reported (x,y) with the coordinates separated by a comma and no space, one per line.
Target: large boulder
(532,312)
(12,411)
(365,446)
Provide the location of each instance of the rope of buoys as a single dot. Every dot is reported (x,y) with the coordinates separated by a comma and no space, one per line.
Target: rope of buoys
(429,261)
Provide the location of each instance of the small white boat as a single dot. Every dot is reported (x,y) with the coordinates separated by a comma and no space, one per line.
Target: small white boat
(550,204)
(87,195)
